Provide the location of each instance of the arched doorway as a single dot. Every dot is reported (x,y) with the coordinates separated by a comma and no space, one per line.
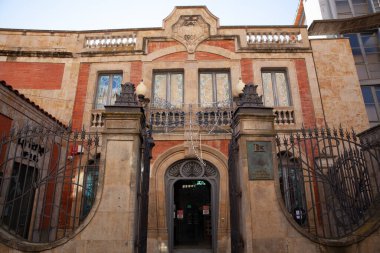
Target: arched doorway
(192,205)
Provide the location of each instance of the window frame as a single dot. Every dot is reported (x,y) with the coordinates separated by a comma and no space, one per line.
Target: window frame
(376,102)
(111,74)
(214,72)
(272,71)
(354,8)
(168,73)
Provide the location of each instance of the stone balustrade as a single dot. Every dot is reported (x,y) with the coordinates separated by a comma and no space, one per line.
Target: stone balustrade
(214,116)
(110,41)
(97,118)
(166,118)
(204,117)
(284,116)
(261,37)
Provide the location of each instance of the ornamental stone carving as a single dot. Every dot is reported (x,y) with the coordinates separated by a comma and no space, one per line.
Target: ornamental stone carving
(127,96)
(249,97)
(191,30)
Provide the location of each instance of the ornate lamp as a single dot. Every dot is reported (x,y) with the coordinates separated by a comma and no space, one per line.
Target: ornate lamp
(238,88)
(141,91)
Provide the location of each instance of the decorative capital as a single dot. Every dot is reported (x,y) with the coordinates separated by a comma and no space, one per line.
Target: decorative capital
(127,96)
(249,97)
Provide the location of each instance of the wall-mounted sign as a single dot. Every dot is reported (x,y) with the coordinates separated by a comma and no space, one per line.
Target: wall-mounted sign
(31,150)
(180,214)
(206,210)
(260,160)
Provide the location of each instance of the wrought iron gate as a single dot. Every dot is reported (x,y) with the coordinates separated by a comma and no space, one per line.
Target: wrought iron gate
(235,195)
(329,180)
(143,190)
(49,179)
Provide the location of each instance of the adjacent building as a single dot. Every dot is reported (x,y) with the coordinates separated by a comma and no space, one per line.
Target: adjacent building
(359,21)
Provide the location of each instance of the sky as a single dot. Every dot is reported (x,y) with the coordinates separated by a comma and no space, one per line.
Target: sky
(114,14)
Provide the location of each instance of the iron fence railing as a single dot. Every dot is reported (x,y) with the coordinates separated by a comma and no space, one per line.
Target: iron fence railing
(329,180)
(49,179)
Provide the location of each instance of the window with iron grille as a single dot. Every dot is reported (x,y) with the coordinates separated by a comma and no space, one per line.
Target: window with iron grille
(292,187)
(276,88)
(109,84)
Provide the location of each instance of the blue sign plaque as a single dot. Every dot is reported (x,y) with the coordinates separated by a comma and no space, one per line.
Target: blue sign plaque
(260,160)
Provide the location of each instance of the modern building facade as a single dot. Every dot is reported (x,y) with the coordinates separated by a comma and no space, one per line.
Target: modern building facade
(216,179)
(359,22)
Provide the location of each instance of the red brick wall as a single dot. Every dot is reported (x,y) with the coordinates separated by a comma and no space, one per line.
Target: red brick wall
(49,191)
(177,56)
(305,94)
(246,70)
(67,192)
(162,146)
(208,56)
(80,95)
(5,128)
(157,45)
(221,145)
(32,75)
(136,72)
(226,44)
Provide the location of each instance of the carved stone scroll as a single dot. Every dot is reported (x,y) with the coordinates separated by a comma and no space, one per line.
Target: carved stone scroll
(190,31)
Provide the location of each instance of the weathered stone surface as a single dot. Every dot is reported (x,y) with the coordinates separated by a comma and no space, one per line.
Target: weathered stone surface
(339,84)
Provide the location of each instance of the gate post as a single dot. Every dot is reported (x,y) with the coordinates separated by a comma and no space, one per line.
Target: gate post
(251,161)
(122,151)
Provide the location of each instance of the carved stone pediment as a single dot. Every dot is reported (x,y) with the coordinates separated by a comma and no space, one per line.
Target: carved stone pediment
(191,30)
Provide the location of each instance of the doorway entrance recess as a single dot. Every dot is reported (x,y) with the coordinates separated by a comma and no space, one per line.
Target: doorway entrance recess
(192,205)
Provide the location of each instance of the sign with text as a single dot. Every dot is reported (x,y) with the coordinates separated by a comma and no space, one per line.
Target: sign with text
(260,160)
(180,214)
(206,210)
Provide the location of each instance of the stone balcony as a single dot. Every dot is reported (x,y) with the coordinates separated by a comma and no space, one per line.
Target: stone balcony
(276,37)
(114,41)
(179,119)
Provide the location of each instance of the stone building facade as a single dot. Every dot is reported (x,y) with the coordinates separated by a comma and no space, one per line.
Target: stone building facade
(193,69)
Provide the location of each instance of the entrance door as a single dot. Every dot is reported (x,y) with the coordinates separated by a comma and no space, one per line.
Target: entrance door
(192,214)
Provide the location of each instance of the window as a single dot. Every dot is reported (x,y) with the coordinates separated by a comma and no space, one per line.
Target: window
(168,89)
(350,8)
(275,88)
(371,95)
(371,46)
(91,177)
(214,88)
(108,86)
(18,208)
(376,5)
(343,9)
(360,7)
(366,52)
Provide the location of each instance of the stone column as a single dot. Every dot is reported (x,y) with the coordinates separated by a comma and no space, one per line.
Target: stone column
(114,226)
(253,130)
